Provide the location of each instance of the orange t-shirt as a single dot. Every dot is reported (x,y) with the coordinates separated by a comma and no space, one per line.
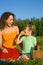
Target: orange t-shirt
(9,39)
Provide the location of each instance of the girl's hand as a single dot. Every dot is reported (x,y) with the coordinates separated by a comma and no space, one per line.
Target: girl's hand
(5,50)
(22,32)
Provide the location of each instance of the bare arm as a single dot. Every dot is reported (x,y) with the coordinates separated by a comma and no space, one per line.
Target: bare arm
(18,41)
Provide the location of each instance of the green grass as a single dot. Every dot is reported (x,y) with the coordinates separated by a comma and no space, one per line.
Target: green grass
(29,62)
(40,42)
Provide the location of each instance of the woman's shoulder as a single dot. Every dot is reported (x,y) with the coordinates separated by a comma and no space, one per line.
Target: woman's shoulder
(15,27)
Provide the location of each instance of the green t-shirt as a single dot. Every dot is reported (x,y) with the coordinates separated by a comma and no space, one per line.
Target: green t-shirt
(28,43)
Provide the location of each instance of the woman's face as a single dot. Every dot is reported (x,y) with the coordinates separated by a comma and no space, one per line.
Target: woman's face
(10,20)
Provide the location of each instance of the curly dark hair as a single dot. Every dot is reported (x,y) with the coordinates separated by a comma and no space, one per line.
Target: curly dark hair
(4,17)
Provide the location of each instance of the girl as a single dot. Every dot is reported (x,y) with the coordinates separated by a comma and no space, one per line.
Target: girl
(8,34)
(28,40)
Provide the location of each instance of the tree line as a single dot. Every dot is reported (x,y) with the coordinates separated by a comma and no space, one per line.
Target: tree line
(37,22)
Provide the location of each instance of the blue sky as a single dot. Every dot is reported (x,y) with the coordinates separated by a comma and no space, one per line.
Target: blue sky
(23,9)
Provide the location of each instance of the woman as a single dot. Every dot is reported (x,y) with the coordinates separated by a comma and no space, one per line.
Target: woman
(8,34)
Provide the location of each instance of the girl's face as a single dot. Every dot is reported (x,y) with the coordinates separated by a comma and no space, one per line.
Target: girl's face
(10,21)
(27,31)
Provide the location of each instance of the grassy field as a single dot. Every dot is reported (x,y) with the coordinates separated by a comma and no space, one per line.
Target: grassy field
(40,42)
(29,62)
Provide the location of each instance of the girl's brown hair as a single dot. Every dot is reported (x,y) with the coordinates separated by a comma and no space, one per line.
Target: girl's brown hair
(4,17)
(31,27)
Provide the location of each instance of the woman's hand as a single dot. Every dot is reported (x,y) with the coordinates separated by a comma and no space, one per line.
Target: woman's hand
(5,50)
